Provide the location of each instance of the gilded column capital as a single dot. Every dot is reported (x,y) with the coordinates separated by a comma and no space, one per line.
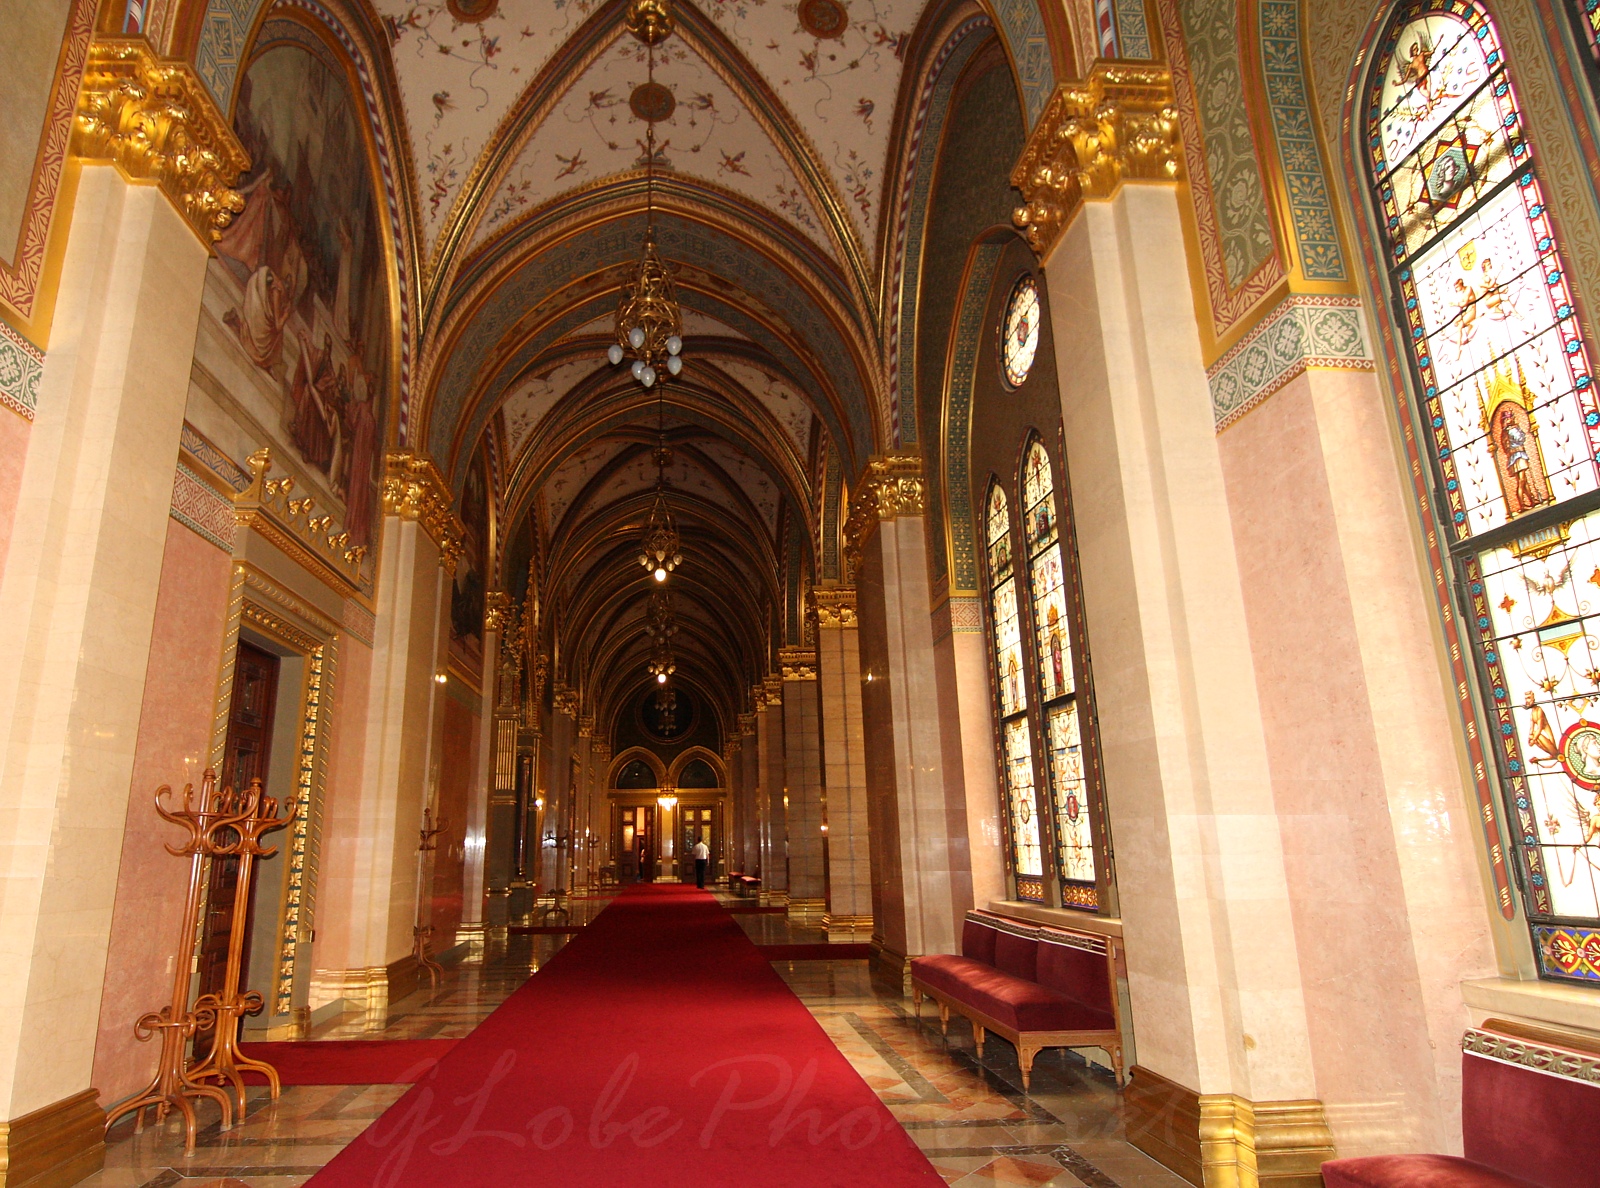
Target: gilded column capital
(833,607)
(892,486)
(772,686)
(747,724)
(600,749)
(586,726)
(413,489)
(731,748)
(496,610)
(565,700)
(798,664)
(152,117)
(1119,124)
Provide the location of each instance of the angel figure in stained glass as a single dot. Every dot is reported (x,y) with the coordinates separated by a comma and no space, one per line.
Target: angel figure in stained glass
(1414,69)
(1013,681)
(1540,735)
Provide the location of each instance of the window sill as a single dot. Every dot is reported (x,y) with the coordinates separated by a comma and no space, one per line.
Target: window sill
(1538,1002)
(1059,917)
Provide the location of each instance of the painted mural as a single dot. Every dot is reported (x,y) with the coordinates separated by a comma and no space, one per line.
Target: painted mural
(466,595)
(299,280)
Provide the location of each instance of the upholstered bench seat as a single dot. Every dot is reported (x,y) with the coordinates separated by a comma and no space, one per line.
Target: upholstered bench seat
(1415,1171)
(1018,1003)
(1036,987)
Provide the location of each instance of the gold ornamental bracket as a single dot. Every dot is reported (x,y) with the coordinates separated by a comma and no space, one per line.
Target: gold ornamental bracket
(1119,124)
(833,607)
(892,487)
(496,611)
(413,489)
(152,118)
(271,507)
(798,664)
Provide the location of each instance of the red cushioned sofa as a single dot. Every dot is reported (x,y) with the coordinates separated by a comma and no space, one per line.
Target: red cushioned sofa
(1037,986)
(1530,1118)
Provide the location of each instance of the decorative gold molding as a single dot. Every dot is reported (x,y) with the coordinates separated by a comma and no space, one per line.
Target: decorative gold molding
(833,607)
(747,724)
(1119,124)
(413,489)
(54,1146)
(772,689)
(798,664)
(152,117)
(270,508)
(586,726)
(601,750)
(1221,1140)
(564,700)
(496,608)
(892,486)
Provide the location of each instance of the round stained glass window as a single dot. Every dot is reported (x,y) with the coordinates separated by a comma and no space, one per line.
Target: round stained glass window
(1019,336)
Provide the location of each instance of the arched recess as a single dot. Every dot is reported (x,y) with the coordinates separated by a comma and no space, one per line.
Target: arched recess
(637,755)
(699,755)
(1485,342)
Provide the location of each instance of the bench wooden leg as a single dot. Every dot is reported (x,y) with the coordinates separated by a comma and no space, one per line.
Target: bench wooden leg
(916,1002)
(944,1020)
(977,1035)
(1116,1067)
(1025,1055)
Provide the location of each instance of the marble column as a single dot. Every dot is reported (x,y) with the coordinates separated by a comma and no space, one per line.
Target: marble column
(802,774)
(966,705)
(921,873)
(1214,966)
(772,794)
(77,606)
(749,813)
(844,765)
(376,901)
(481,802)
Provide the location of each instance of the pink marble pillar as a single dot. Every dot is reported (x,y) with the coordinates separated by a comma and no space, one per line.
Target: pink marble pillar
(173,746)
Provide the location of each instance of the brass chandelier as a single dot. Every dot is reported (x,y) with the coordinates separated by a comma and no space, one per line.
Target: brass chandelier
(649,326)
(661,627)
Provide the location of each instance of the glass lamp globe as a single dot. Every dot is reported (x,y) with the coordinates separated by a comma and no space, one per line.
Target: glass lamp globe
(614,353)
(647,376)
(674,345)
(661,678)
(661,574)
(637,368)
(674,364)
(636,337)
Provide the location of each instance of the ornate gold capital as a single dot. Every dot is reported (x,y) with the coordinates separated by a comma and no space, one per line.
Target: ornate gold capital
(270,507)
(893,486)
(772,686)
(586,726)
(154,119)
(496,607)
(798,664)
(1119,124)
(601,750)
(565,700)
(413,489)
(833,607)
(747,724)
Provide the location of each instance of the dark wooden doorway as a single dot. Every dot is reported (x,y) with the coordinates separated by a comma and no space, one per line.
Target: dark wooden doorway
(635,841)
(244,758)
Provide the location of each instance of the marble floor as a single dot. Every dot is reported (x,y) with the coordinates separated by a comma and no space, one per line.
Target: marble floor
(972,1118)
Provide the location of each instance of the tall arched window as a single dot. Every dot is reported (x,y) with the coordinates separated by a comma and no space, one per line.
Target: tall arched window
(1041,683)
(1058,685)
(1016,740)
(1507,395)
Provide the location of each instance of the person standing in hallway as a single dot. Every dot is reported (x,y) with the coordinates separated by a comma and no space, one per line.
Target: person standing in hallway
(702,857)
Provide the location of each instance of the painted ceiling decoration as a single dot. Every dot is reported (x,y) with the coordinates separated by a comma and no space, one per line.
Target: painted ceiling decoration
(513,142)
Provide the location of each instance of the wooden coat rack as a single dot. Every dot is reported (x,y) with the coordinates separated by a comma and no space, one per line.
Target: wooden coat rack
(221,824)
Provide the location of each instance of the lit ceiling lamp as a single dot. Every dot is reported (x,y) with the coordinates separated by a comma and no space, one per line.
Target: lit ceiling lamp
(661,627)
(649,324)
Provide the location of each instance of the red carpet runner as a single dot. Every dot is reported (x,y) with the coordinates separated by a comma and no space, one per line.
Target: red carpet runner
(348,1062)
(658,1048)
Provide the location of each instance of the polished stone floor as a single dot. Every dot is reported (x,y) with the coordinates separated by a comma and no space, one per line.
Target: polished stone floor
(972,1118)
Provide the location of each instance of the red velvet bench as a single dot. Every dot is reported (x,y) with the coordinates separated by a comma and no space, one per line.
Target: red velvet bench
(1038,987)
(744,885)
(1530,1118)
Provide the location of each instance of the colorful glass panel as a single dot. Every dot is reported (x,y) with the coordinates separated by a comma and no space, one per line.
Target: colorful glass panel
(1020,333)
(1038,503)
(1589,22)
(1025,855)
(1008,650)
(999,536)
(1050,624)
(1493,330)
(1537,610)
(1074,835)
(1508,398)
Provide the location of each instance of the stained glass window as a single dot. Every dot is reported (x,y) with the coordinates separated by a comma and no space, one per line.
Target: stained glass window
(1506,390)
(1588,14)
(1020,332)
(1011,678)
